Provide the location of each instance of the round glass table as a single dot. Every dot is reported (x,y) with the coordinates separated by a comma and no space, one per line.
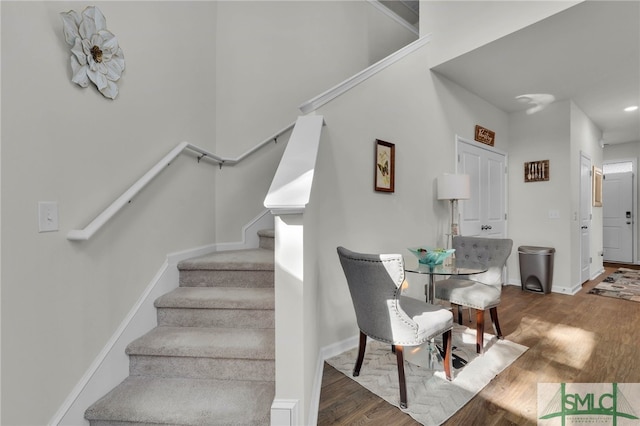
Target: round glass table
(430,355)
(450,266)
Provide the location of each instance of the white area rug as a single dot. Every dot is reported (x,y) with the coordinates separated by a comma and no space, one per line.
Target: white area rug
(431,398)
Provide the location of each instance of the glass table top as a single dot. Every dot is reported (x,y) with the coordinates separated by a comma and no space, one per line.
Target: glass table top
(454,266)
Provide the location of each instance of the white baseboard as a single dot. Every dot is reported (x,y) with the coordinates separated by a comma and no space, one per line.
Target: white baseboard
(111,366)
(314,402)
(284,412)
(250,232)
(326,353)
(597,273)
(554,288)
(338,347)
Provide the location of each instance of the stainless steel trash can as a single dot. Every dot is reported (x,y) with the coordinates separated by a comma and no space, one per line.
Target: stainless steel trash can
(536,268)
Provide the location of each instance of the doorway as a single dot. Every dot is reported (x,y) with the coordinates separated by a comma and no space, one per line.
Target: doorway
(585,217)
(618,214)
(484,214)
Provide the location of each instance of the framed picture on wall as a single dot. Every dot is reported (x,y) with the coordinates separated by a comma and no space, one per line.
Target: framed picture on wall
(385,167)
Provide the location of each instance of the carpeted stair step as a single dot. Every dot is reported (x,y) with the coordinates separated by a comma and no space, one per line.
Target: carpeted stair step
(267,239)
(234,268)
(200,352)
(211,360)
(217,307)
(174,401)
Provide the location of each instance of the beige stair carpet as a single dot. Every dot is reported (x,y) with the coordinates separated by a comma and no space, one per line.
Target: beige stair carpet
(211,359)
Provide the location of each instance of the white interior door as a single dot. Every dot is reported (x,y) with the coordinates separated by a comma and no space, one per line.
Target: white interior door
(484,213)
(585,217)
(617,217)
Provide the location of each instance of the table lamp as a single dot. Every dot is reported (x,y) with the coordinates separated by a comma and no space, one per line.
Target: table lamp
(454,187)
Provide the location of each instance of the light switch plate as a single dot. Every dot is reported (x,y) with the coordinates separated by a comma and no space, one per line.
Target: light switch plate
(554,214)
(47,216)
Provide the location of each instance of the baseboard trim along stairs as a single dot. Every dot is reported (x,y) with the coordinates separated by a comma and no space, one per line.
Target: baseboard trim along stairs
(211,358)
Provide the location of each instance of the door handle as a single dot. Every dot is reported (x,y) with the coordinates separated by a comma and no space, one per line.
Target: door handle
(484,227)
(628,223)
(585,227)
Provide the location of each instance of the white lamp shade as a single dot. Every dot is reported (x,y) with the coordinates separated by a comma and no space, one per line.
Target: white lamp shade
(454,187)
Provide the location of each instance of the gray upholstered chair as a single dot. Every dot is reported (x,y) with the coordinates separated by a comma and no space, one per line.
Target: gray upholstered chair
(479,291)
(375,282)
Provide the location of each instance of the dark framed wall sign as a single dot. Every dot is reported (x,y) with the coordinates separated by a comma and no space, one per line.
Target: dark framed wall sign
(385,168)
(485,136)
(536,171)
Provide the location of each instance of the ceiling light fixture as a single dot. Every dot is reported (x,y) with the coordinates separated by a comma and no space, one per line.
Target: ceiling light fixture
(631,108)
(538,100)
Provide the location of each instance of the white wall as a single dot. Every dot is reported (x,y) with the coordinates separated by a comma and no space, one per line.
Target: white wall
(419,112)
(272,57)
(585,138)
(61,301)
(467,110)
(223,75)
(408,106)
(558,134)
(622,151)
(541,136)
(459,27)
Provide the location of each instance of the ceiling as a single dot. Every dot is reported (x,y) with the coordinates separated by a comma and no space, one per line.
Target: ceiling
(589,53)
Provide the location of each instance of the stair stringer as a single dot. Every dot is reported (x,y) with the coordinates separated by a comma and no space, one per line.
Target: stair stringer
(111,365)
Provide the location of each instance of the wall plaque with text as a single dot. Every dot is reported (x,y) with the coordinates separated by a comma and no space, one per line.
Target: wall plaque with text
(485,136)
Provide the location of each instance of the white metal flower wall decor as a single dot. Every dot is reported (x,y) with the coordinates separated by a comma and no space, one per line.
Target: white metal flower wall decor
(95,53)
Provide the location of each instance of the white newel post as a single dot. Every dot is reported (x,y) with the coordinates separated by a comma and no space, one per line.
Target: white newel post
(296,345)
(289,295)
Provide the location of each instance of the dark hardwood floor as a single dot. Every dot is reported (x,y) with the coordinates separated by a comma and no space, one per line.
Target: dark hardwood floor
(583,338)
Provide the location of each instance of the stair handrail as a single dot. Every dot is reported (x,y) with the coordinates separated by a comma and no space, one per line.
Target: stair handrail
(337,90)
(290,189)
(88,231)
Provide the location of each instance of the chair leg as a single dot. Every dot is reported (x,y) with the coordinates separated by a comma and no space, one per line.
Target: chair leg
(479,331)
(446,341)
(401,380)
(496,324)
(460,308)
(363,345)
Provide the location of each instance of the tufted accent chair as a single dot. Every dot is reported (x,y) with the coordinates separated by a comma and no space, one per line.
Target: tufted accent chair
(375,282)
(479,291)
